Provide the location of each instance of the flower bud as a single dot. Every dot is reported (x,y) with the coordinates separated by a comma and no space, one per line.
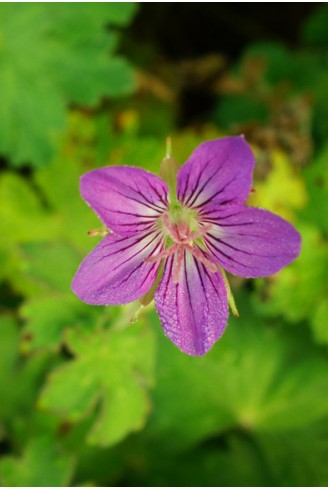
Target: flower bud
(168,171)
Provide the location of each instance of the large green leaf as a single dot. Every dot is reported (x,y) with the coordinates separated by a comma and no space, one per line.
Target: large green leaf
(255,377)
(113,369)
(44,276)
(239,458)
(52,55)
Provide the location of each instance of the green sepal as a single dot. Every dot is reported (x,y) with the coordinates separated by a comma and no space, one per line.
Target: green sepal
(231,299)
(168,171)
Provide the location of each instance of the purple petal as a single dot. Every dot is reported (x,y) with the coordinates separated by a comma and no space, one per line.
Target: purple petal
(217,172)
(251,242)
(115,273)
(194,312)
(126,199)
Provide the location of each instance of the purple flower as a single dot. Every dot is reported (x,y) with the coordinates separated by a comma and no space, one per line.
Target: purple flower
(181,238)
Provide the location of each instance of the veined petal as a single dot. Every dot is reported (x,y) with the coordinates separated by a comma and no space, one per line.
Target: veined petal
(127,199)
(251,242)
(193,312)
(217,172)
(115,273)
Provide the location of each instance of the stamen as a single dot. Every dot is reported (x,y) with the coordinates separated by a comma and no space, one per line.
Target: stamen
(172,229)
(178,259)
(198,254)
(162,255)
(166,220)
(102,231)
(198,234)
(182,232)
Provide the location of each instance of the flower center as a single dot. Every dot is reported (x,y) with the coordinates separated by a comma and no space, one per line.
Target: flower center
(184,233)
(182,228)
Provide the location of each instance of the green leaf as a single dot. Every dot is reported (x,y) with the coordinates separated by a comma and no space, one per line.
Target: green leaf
(8,345)
(319,322)
(239,109)
(50,307)
(278,62)
(50,57)
(42,464)
(255,377)
(48,317)
(59,183)
(9,337)
(301,70)
(92,16)
(296,292)
(51,265)
(45,268)
(296,458)
(315,28)
(22,217)
(283,191)
(117,14)
(113,369)
(320,109)
(233,460)
(19,379)
(316,178)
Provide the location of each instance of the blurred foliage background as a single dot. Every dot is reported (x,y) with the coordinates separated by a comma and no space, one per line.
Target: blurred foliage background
(86,397)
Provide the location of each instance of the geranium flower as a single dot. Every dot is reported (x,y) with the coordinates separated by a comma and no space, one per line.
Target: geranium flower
(179,239)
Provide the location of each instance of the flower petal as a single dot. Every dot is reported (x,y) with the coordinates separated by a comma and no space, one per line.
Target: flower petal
(251,242)
(115,273)
(217,172)
(193,312)
(126,199)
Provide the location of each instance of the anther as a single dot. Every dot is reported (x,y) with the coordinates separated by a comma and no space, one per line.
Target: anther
(102,232)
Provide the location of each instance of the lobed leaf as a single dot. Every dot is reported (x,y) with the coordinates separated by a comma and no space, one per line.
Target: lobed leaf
(112,370)
(256,377)
(51,57)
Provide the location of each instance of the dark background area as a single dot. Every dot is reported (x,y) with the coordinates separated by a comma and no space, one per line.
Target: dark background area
(176,32)
(188,30)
